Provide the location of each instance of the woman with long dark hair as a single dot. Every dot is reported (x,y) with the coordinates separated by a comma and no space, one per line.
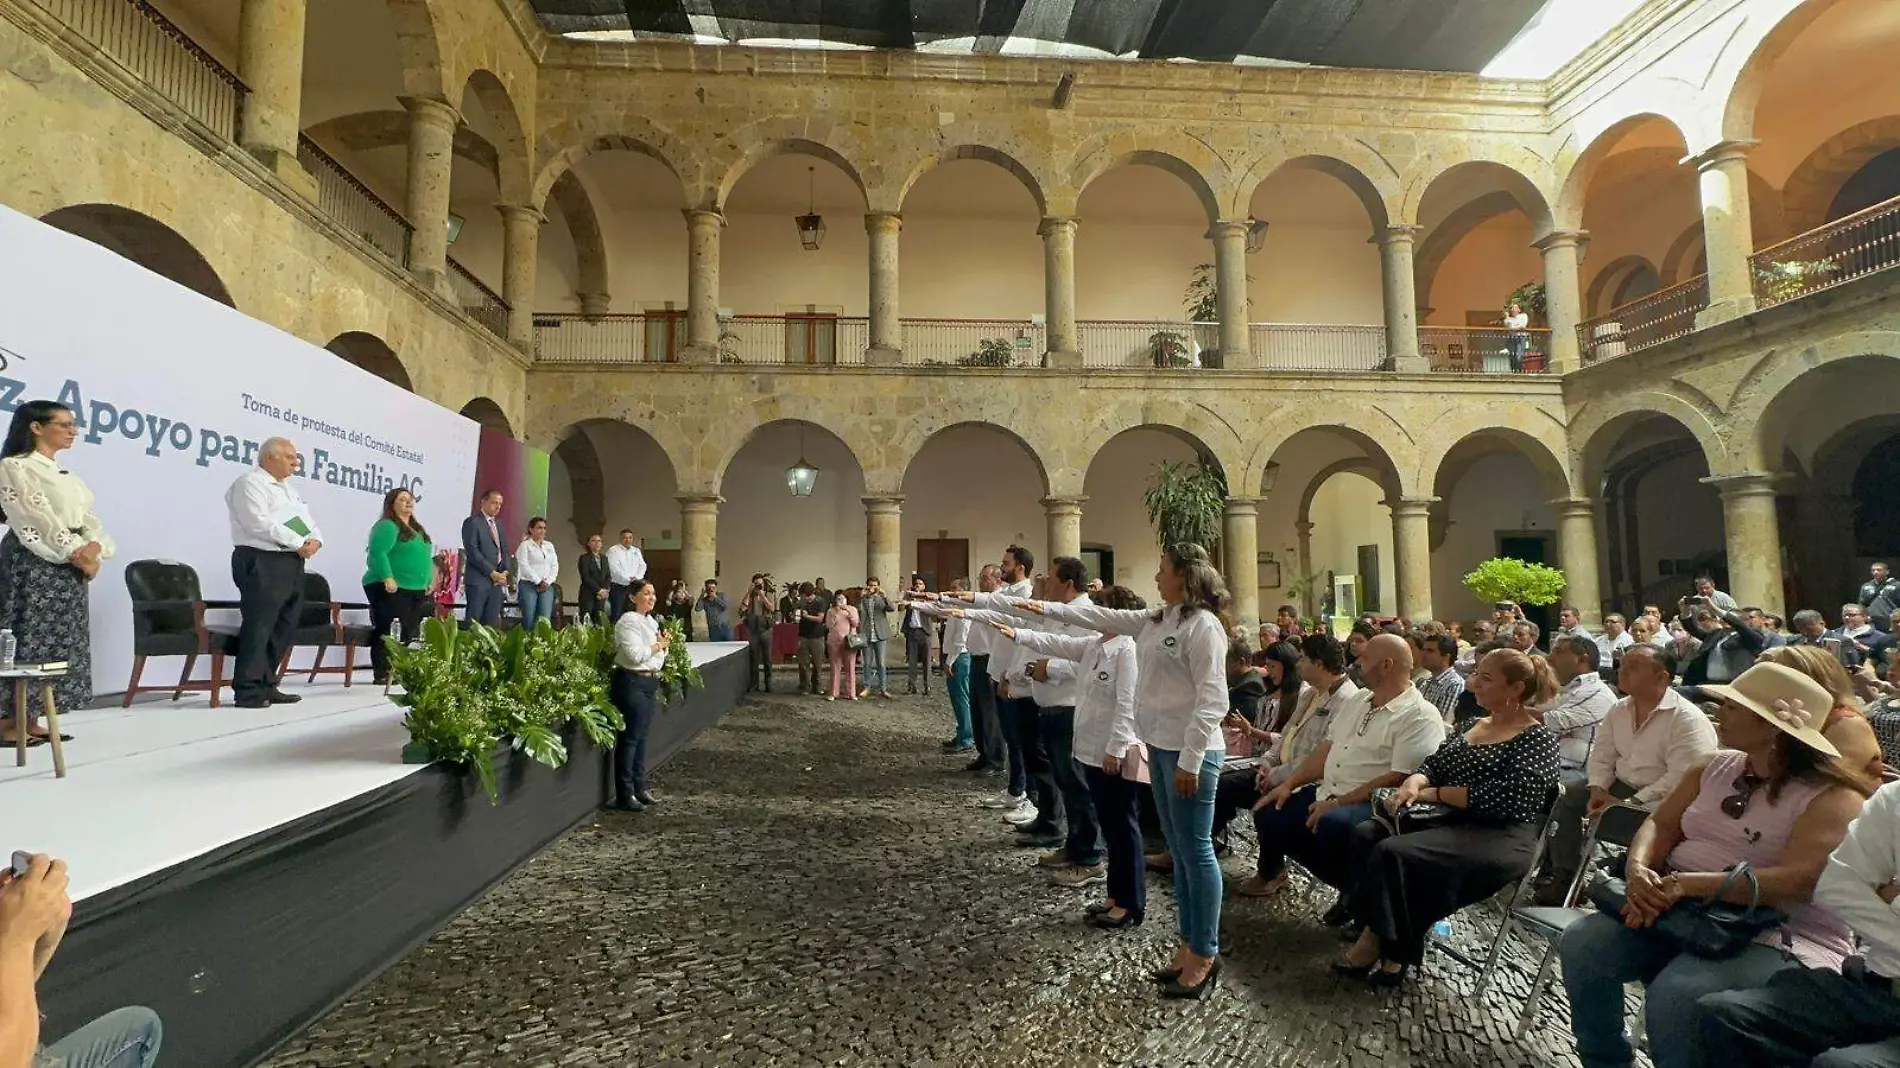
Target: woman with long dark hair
(1180,701)
(53,548)
(639,653)
(400,573)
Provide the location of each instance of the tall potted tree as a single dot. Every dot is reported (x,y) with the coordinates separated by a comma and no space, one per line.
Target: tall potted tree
(1186,501)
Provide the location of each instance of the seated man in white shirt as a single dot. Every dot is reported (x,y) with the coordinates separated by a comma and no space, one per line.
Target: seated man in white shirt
(1570,623)
(1644,746)
(1615,638)
(1845,1019)
(1573,715)
(1376,739)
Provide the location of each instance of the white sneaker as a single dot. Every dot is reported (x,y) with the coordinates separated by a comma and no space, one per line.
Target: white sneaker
(1023,814)
(1002,799)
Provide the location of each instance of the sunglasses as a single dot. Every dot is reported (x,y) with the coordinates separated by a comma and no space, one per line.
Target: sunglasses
(1737,803)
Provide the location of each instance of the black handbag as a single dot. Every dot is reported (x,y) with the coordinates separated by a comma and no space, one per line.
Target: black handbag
(1417,816)
(1712,929)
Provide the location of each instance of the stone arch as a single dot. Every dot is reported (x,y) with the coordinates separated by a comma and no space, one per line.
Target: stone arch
(419,48)
(1747,59)
(751,145)
(1356,465)
(1181,154)
(587,482)
(999,158)
(738,432)
(1437,245)
(145,241)
(1574,191)
(568,143)
(1511,171)
(368,130)
(1761,402)
(371,353)
(1359,166)
(917,433)
(1384,439)
(489,414)
(1605,286)
(1596,427)
(589,406)
(514,169)
(1209,433)
(1544,449)
(1684,254)
(1810,190)
(570,195)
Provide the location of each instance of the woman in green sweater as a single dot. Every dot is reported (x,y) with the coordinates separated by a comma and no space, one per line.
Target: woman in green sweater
(401,570)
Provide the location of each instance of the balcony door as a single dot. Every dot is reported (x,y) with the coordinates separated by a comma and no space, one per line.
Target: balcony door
(940,560)
(665,334)
(811,337)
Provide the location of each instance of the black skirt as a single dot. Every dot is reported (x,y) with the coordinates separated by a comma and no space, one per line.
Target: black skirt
(1404,884)
(45,606)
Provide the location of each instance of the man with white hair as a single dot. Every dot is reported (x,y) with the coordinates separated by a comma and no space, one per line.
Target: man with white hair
(272,534)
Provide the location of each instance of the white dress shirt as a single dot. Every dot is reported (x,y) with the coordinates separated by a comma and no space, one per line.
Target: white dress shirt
(1105,690)
(1575,713)
(1181,669)
(1608,647)
(536,562)
(1674,738)
(1370,741)
(1867,858)
(1003,654)
(1059,689)
(625,564)
(259,505)
(49,509)
(956,638)
(634,635)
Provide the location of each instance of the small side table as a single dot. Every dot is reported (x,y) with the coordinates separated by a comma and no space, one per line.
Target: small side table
(22,682)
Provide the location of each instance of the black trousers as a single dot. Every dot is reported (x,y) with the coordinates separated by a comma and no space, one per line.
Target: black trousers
(637,698)
(917,658)
(1238,790)
(1399,886)
(1804,1016)
(270,594)
(1118,805)
(406,607)
(618,597)
(483,599)
(989,729)
(759,647)
(592,608)
(1056,725)
(1037,770)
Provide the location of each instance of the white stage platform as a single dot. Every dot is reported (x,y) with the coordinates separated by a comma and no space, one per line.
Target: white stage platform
(154,785)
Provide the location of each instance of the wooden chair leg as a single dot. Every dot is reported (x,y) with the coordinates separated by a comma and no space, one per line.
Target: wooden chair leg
(316,664)
(52,730)
(131,688)
(21,722)
(217,679)
(191,661)
(283,664)
(349,664)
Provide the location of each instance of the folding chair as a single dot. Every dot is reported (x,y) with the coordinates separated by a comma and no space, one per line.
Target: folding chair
(1615,826)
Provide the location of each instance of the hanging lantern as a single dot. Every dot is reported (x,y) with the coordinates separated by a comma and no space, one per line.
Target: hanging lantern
(801,477)
(811,225)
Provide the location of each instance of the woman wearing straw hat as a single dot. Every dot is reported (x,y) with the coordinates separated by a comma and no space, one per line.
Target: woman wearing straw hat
(1774,796)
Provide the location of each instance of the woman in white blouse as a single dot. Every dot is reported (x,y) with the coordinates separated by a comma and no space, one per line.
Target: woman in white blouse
(640,648)
(53,548)
(1180,701)
(536,568)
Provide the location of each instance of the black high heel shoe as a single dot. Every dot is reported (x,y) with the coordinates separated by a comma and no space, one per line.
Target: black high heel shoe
(1382,978)
(1353,971)
(1101,921)
(1174,988)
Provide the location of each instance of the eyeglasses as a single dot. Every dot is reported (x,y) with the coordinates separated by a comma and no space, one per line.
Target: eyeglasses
(1737,803)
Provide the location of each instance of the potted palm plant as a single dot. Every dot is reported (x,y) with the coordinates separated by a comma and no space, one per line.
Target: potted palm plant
(1186,502)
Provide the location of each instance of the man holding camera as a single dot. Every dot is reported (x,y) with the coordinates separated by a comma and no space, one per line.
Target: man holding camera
(758,614)
(34,910)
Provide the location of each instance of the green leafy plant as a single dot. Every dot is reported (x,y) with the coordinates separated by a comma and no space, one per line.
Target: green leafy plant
(1504,579)
(1531,296)
(1186,502)
(446,700)
(1201,301)
(991,352)
(1169,348)
(678,675)
(1302,587)
(1788,279)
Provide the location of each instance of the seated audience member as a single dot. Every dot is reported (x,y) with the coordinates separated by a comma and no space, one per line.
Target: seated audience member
(1466,711)
(1438,655)
(1884,713)
(1759,622)
(1810,629)
(34,910)
(1457,632)
(1246,689)
(1362,632)
(1250,738)
(1524,635)
(1859,638)
(1377,739)
(1569,624)
(1576,710)
(1845,727)
(1646,744)
(1774,797)
(1269,633)
(1646,631)
(1287,618)
(1729,646)
(1615,638)
(1324,687)
(1844,1019)
(1496,777)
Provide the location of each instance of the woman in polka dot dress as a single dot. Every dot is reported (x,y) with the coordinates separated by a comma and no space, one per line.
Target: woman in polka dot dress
(1497,777)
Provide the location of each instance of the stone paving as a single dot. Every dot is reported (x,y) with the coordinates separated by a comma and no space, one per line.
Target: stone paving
(818,888)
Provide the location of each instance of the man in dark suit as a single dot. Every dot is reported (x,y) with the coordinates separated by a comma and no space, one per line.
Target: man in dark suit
(595,582)
(485,560)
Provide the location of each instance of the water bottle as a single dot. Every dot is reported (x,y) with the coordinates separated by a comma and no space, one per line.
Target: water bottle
(1441,929)
(8,647)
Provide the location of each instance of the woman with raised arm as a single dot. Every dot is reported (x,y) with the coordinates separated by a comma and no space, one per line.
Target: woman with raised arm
(1180,701)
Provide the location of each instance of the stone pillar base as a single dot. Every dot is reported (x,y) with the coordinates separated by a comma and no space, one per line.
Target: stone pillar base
(288,171)
(1053,358)
(699,354)
(1240,361)
(1412,365)
(436,282)
(1722,311)
(883,357)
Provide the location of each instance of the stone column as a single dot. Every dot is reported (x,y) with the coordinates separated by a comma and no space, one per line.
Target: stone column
(1563,299)
(1230,280)
(887,329)
(595,305)
(1754,538)
(270,57)
(520,255)
(1399,287)
(1240,552)
(1577,555)
(1058,266)
(1303,533)
(1728,234)
(883,540)
(431,153)
(1065,525)
(702,286)
(699,546)
(1412,555)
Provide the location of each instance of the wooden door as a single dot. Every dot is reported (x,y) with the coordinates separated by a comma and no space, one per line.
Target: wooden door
(665,336)
(663,566)
(811,338)
(941,560)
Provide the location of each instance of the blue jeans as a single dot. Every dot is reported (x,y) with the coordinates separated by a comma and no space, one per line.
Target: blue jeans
(1600,955)
(535,604)
(1189,824)
(723,633)
(960,699)
(874,670)
(122,1038)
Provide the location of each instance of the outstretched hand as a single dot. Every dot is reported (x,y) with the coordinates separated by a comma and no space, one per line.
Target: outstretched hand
(1004,629)
(1032,607)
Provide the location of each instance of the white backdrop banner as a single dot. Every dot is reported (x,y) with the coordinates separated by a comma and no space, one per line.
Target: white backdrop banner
(173,392)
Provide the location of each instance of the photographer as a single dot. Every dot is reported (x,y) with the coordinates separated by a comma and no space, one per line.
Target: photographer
(34,910)
(758,614)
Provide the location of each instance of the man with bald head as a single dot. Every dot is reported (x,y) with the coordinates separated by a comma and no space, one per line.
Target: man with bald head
(1377,738)
(272,534)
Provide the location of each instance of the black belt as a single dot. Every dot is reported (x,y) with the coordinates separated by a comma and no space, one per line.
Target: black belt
(641,674)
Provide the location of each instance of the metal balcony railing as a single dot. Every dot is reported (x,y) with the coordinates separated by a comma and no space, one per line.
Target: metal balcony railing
(1148,343)
(1318,347)
(351,203)
(480,302)
(1661,316)
(154,50)
(974,342)
(1841,251)
(1485,350)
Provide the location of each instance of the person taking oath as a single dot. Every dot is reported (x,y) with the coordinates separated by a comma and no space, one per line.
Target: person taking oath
(485,557)
(273,535)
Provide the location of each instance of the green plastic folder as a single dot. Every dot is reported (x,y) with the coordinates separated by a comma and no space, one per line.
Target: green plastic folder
(298,526)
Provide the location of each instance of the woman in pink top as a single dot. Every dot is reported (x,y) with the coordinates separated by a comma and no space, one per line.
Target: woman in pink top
(1774,796)
(841,620)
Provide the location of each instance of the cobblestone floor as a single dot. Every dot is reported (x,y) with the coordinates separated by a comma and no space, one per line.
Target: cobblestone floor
(819,889)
